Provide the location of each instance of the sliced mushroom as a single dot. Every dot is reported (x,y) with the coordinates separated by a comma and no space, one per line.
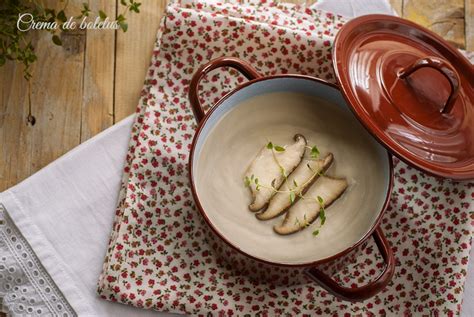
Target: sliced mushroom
(298,181)
(306,210)
(267,168)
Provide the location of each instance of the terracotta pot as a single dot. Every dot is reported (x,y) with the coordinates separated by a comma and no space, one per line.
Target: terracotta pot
(217,141)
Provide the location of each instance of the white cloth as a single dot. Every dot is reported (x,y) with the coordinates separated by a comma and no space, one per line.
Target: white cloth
(65,211)
(25,286)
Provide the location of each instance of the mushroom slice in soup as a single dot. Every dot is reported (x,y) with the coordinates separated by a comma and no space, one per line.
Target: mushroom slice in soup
(320,195)
(297,183)
(270,168)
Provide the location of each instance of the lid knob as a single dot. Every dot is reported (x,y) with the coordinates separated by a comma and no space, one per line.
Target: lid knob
(444,68)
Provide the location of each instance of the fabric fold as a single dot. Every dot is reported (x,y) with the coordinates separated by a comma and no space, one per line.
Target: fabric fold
(64,212)
(160,255)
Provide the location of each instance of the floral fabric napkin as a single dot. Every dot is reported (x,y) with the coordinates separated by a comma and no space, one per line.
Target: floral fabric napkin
(161,254)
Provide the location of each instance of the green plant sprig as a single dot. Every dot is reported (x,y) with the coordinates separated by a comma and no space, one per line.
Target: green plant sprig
(15,45)
(305,222)
(292,191)
(321,215)
(314,151)
(314,154)
(248,181)
(274,149)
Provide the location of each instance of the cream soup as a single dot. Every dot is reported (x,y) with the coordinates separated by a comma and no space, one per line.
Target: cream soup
(239,135)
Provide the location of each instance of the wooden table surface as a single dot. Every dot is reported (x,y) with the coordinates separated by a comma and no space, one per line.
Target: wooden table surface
(94,80)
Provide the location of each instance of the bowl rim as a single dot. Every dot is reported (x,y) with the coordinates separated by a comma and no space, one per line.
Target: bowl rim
(230,243)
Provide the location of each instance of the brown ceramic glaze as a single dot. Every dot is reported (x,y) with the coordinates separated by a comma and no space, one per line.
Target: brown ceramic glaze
(411,90)
(369,290)
(246,69)
(314,271)
(444,68)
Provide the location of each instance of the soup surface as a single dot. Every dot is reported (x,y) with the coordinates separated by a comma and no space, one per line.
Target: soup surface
(239,135)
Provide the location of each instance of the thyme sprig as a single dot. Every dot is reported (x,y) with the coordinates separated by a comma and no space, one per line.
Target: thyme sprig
(292,192)
(313,151)
(322,217)
(274,149)
(16,45)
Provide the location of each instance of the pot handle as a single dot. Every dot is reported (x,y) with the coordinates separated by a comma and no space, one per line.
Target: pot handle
(363,292)
(444,68)
(245,68)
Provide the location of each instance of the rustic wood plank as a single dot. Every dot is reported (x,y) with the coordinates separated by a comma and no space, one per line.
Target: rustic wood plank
(56,91)
(469,16)
(443,17)
(14,131)
(133,54)
(99,72)
(79,107)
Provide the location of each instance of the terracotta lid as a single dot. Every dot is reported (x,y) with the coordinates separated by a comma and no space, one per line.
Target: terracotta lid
(411,90)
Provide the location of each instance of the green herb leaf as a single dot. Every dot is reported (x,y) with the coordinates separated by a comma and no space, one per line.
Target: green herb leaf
(314,152)
(279,148)
(102,15)
(320,200)
(292,197)
(123,2)
(322,215)
(120,18)
(51,13)
(32,58)
(315,233)
(295,183)
(123,26)
(270,145)
(85,11)
(135,7)
(61,16)
(57,40)
(247,181)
